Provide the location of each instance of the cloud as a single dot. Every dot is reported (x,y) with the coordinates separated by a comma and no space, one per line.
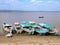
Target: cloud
(44,3)
(33,0)
(53,2)
(49,1)
(30,5)
(6,1)
(41,1)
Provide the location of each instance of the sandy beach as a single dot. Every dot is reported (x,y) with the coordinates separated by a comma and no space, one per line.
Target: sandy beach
(30,40)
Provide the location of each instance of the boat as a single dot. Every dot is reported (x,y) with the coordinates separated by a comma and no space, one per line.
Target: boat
(7,28)
(27,28)
(41,17)
(17,27)
(41,31)
(33,24)
(31,27)
(37,28)
(50,27)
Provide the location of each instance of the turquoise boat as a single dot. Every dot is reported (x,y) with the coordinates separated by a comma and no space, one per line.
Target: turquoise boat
(51,28)
(38,30)
(27,27)
(41,31)
(48,26)
(33,24)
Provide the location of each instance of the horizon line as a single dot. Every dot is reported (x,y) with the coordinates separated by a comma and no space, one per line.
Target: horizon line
(24,11)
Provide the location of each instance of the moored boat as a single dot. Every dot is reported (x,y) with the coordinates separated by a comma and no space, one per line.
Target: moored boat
(7,28)
(28,28)
(17,27)
(51,28)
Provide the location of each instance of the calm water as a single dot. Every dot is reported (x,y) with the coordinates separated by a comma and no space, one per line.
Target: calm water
(49,17)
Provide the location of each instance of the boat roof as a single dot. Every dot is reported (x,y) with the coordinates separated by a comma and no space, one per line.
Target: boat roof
(7,25)
(31,22)
(16,23)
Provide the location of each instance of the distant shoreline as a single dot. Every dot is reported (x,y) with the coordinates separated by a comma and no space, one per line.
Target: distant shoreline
(24,11)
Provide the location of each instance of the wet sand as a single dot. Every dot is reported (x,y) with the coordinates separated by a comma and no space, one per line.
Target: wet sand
(30,40)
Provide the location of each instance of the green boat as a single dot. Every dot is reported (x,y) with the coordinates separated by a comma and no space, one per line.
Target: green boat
(50,27)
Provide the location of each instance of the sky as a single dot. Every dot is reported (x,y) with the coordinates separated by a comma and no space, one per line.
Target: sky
(30,5)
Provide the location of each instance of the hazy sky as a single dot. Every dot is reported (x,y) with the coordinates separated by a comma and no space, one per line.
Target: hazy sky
(30,5)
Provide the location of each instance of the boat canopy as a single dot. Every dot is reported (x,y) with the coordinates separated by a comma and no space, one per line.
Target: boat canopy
(31,22)
(7,25)
(16,23)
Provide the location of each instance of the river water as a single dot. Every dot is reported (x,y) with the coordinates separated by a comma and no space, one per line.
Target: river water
(11,17)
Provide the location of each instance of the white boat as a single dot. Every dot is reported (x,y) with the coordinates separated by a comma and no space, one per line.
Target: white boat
(17,27)
(7,27)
